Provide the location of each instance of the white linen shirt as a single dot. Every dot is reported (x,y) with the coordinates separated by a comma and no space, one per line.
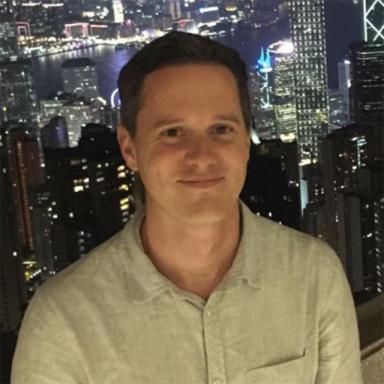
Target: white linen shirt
(282,314)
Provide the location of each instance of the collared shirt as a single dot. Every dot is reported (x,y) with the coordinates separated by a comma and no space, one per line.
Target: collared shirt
(283,313)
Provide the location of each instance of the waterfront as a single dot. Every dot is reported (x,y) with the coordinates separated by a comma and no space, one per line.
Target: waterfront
(47,69)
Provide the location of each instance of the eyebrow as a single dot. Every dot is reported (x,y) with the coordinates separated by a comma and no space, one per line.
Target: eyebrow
(230,118)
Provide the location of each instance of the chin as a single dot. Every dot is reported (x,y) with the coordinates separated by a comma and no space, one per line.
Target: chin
(204,212)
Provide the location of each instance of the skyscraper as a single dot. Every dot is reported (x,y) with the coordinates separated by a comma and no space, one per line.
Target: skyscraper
(18,98)
(283,96)
(77,114)
(344,79)
(260,82)
(338,113)
(367,83)
(13,288)
(307,20)
(360,223)
(23,164)
(8,36)
(345,151)
(374,21)
(80,77)
(89,194)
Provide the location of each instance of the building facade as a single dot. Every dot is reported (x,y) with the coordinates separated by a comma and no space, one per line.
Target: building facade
(78,113)
(367,83)
(18,98)
(307,20)
(80,78)
(374,21)
(283,89)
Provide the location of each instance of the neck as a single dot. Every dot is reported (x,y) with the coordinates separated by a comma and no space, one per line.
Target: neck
(195,257)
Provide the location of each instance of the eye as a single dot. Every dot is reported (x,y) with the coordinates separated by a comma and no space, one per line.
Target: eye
(223,129)
(171,132)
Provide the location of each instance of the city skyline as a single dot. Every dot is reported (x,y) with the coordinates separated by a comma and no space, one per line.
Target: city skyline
(315,141)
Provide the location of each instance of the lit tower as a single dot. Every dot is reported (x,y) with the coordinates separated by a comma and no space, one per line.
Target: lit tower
(307,20)
(283,89)
(260,87)
(264,69)
(374,21)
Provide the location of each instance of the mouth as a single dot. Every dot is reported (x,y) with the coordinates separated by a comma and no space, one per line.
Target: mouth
(201,183)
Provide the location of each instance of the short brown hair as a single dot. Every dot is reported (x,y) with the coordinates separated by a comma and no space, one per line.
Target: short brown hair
(177,48)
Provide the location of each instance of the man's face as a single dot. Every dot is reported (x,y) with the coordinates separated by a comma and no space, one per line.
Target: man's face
(191,145)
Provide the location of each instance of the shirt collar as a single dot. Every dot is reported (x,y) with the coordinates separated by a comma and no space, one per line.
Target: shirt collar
(147,282)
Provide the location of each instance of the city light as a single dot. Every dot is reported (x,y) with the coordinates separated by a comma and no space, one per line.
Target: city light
(314,116)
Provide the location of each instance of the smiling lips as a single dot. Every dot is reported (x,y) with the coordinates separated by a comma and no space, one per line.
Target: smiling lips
(201,183)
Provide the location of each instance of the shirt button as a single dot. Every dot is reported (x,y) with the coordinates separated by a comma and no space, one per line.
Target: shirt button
(217,381)
(208,312)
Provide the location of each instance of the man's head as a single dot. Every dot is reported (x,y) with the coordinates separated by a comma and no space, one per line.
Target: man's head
(177,48)
(186,133)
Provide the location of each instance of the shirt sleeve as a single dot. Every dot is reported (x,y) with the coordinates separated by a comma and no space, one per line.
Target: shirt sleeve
(339,346)
(46,350)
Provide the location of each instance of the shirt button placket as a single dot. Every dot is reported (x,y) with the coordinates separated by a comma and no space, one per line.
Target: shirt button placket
(213,348)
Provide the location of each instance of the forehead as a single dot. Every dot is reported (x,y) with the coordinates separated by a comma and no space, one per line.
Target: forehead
(182,85)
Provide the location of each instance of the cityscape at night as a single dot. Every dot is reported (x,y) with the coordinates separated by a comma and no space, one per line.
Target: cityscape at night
(316,85)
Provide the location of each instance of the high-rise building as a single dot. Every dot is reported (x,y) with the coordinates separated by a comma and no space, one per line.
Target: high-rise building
(283,92)
(277,197)
(374,21)
(344,80)
(55,133)
(8,34)
(78,113)
(260,84)
(344,152)
(80,77)
(53,106)
(14,297)
(18,100)
(8,40)
(24,167)
(110,116)
(338,110)
(89,194)
(360,224)
(43,18)
(367,83)
(307,20)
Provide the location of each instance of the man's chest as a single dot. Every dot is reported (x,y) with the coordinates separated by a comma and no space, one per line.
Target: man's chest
(241,336)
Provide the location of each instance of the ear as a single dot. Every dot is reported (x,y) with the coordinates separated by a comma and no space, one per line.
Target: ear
(127,147)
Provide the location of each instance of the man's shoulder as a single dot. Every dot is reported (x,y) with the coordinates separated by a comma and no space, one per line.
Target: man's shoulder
(91,272)
(289,248)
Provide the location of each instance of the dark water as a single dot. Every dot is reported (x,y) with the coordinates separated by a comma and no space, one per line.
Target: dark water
(344,25)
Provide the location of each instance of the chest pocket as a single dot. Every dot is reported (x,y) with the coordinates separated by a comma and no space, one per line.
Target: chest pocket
(286,372)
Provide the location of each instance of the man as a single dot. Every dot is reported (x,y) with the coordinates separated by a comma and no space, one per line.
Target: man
(195,289)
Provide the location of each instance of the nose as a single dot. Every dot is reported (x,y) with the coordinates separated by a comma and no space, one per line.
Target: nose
(200,152)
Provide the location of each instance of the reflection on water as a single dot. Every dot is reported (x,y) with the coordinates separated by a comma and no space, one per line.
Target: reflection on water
(246,40)
(47,69)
